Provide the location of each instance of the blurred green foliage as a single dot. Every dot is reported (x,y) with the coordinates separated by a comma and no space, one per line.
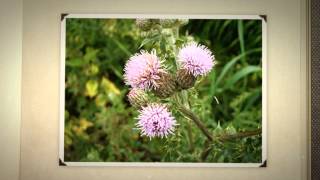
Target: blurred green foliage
(100,123)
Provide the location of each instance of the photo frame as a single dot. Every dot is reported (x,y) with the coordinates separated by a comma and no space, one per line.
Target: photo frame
(64,17)
(287,110)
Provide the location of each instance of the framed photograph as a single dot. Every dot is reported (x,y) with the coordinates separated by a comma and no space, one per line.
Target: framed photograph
(163,90)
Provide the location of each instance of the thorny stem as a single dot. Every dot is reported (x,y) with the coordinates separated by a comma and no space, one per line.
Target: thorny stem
(243,134)
(185,102)
(227,137)
(221,138)
(191,147)
(197,121)
(206,150)
(210,138)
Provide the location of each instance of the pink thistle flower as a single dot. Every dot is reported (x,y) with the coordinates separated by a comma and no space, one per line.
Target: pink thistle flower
(156,121)
(196,59)
(142,71)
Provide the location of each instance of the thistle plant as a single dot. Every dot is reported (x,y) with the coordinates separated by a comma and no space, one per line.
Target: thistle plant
(164,75)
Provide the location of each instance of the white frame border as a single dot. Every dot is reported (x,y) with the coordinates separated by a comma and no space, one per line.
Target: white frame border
(263,18)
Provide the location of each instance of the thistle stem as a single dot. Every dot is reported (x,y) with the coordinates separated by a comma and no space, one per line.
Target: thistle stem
(191,147)
(228,137)
(238,135)
(210,138)
(197,121)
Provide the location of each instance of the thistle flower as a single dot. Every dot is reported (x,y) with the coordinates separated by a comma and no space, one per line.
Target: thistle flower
(156,121)
(142,71)
(137,97)
(196,59)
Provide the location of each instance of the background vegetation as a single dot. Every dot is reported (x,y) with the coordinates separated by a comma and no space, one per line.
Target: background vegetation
(100,123)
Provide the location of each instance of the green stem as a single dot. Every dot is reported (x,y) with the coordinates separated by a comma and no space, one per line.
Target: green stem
(206,150)
(227,137)
(197,121)
(189,130)
(238,135)
(175,34)
(210,137)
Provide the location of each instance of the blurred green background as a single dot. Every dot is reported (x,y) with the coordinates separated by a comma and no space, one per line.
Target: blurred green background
(100,123)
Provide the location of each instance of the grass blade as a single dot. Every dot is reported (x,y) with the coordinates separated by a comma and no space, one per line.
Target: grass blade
(232,62)
(241,40)
(240,74)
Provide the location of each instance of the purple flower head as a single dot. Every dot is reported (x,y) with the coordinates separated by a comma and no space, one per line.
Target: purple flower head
(142,71)
(156,121)
(196,59)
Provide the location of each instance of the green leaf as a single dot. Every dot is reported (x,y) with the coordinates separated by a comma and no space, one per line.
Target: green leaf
(91,88)
(93,156)
(241,39)
(232,62)
(149,40)
(77,62)
(255,95)
(122,47)
(92,70)
(222,29)
(109,86)
(240,74)
(90,55)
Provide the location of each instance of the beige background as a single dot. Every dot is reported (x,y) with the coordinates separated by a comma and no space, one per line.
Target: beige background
(10,87)
(287,115)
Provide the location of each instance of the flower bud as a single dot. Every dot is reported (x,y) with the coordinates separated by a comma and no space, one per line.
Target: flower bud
(183,22)
(185,79)
(167,23)
(137,97)
(144,24)
(166,85)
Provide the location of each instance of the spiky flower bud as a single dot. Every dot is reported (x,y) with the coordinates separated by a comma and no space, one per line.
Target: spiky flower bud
(166,85)
(185,79)
(144,24)
(167,23)
(183,21)
(137,97)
